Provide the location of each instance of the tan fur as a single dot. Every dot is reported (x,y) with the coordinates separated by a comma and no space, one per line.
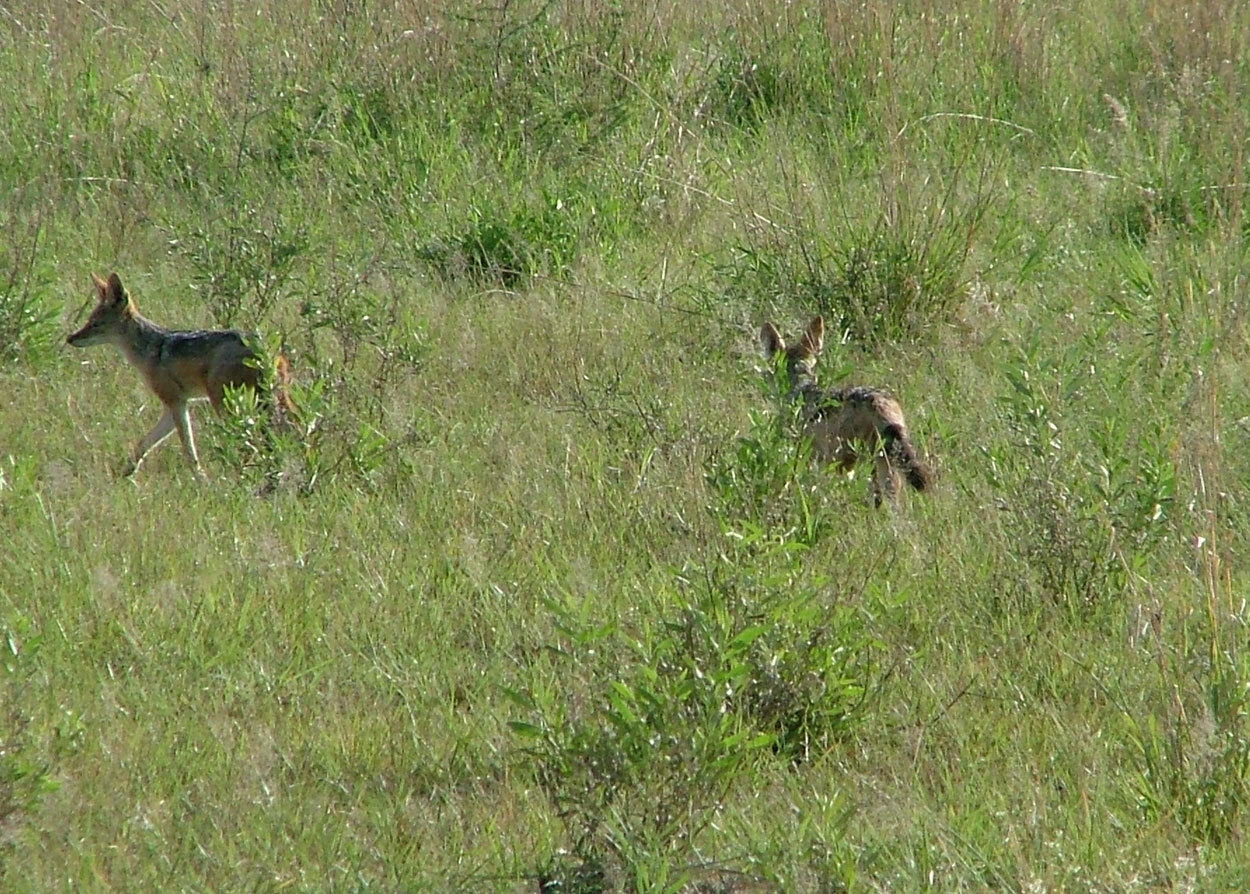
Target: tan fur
(845,424)
(179,366)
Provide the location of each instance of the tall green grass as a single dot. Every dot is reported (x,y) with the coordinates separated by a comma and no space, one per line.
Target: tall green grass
(540,592)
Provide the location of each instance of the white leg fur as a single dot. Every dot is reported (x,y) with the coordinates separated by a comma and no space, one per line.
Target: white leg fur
(182,418)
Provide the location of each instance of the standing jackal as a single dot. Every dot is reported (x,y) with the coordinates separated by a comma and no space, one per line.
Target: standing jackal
(845,423)
(178,365)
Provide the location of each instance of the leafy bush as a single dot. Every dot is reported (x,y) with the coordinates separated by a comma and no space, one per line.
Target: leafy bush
(746,91)
(750,664)
(875,284)
(760,478)
(797,663)
(508,248)
(766,481)
(305,447)
(242,266)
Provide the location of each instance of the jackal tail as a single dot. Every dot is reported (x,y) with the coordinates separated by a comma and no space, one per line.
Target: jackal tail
(902,455)
(284,407)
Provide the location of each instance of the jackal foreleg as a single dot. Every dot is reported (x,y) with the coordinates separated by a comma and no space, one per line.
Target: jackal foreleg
(162,430)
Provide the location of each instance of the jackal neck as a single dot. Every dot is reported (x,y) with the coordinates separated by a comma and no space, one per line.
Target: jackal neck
(816,403)
(139,335)
(802,385)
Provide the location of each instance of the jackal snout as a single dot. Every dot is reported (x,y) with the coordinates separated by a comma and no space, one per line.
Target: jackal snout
(845,424)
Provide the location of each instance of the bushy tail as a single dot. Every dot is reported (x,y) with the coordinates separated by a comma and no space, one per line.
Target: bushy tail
(284,407)
(902,454)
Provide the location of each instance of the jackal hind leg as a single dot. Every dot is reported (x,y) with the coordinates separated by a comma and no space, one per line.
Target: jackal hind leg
(844,456)
(182,419)
(885,483)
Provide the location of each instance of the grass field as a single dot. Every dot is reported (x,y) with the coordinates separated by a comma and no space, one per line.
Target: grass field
(543,595)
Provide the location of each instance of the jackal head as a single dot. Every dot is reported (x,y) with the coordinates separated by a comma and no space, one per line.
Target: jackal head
(112,312)
(800,357)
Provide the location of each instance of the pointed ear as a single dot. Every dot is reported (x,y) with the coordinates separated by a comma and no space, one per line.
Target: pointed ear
(814,338)
(770,340)
(115,291)
(101,286)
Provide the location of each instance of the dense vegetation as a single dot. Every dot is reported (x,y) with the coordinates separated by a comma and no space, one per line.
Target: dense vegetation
(542,594)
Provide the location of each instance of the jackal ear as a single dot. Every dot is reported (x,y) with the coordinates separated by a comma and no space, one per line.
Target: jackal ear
(770,340)
(115,292)
(101,286)
(814,337)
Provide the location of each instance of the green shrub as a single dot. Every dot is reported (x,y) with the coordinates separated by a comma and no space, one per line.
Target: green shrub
(673,717)
(508,248)
(875,283)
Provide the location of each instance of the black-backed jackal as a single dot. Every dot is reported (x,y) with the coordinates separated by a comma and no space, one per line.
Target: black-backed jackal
(847,423)
(179,366)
